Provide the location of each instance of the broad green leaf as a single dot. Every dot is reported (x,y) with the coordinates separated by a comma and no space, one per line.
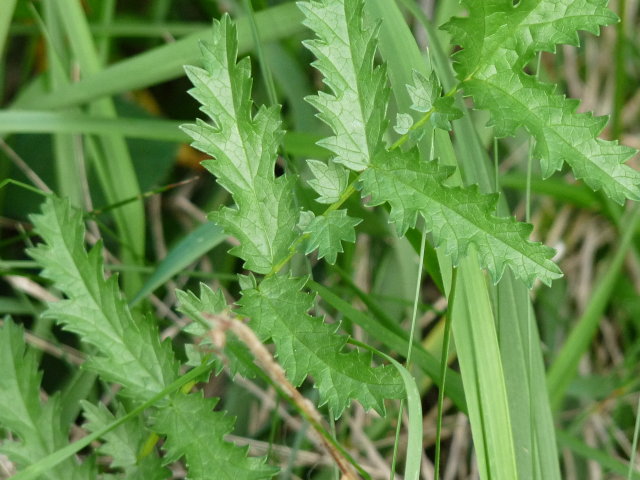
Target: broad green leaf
(306,345)
(498,41)
(130,351)
(356,109)
(123,444)
(330,180)
(457,217)
(196,432)
(244,147)
(36,425)
(327,232)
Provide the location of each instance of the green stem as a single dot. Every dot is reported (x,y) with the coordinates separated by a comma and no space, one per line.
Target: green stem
(620,72)
(443,369)
(300,240)
(423,120)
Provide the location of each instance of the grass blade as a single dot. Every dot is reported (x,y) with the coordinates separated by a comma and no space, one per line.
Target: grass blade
(113,162)
(413,460)
(5,20)
(165,62)
(188,250)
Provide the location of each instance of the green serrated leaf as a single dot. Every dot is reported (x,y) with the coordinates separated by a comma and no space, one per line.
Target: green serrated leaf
(426,97)
(36,425)
(356,110)
(130,351)
(196,432)
(456,217)
(212,302)
(123,444)
(424,92)
(244,147)
(306,345)
(404,122)
(330,180)
(209,301)
(327,232)
(498,41)
(444,113)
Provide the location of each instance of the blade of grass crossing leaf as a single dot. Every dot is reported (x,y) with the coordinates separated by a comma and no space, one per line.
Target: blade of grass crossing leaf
(265,69)
(634,443)
(482,374)
(533,426)
(413,459)
(63,145)
(188,250)
(443,361)
(23,121)
(6,13)
(165,62)
(564,368)
(20,121)
(107,11)
(468,145)
(116,173)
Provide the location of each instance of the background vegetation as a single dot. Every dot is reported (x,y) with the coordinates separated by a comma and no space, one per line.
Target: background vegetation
(92,100)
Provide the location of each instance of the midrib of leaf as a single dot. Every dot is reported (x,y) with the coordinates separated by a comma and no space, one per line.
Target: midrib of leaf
(352,47)
(359,94)
(234,116)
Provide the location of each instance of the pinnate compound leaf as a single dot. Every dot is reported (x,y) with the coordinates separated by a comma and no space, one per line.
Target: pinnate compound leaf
(130,351)
(356,110)
(37,425)
(244,147)
(196,432)
(456,217)
(327,232)
(306,345)
(498,41)
(330,180)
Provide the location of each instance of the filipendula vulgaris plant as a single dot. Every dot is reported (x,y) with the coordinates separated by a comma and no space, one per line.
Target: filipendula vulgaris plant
(498,40)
